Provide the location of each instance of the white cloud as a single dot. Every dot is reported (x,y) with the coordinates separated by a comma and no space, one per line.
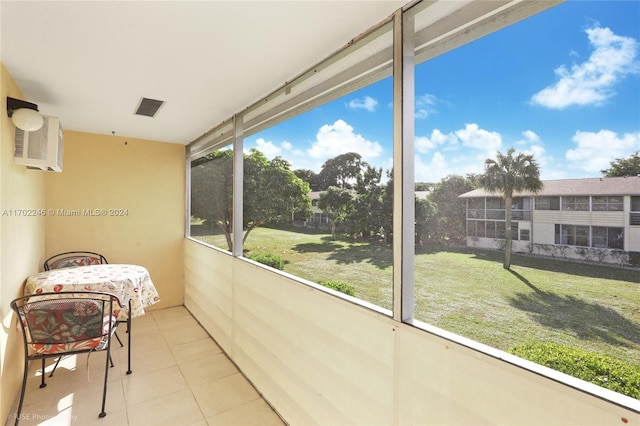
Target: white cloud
(468,148)
(595,151)
(424,144)
(431,170)
(367,103)
(592,82)
(272,150)
(532,144)
(425,106)
(531,136)
(268,148)
(473,136)
(339,138)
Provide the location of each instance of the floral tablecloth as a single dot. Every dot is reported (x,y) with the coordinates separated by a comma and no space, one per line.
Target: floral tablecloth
(127,282)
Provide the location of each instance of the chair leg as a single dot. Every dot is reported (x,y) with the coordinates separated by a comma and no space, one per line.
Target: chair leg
(54,368)
(106,376)
(22,391)
(42,383)
(129,340)
(119,341)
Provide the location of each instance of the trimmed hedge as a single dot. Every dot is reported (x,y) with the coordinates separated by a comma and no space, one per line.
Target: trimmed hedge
(268,259)
(339,286)
(601,370)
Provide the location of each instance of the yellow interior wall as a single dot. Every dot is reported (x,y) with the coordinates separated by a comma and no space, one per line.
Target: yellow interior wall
(21,242)
(138,188)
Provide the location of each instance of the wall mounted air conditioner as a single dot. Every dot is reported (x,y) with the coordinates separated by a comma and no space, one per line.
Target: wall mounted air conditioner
(43,148)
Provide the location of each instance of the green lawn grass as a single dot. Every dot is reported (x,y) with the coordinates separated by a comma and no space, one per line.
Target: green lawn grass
(593,307)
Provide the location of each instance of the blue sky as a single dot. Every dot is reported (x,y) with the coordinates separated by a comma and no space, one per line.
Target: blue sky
(563,85)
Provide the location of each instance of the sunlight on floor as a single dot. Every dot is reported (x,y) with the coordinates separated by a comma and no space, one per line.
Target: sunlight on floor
(180,377)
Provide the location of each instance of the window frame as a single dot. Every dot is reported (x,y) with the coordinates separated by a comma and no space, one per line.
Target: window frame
(413,42)
(551,203)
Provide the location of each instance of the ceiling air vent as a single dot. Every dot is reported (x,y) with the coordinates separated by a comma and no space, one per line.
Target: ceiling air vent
(148,107)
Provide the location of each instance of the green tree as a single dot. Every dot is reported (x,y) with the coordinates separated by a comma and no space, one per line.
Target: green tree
(425,219)
(308,176)
(622,167)
(341,171)
(507,175)
(211,190)
(450,220)
(271,191)
(365,211)
(423,186)
(335,203)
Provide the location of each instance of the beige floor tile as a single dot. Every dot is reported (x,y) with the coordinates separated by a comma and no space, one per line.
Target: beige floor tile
(253,413)
(192,351)
(149,361)
(151,385)
(180,377)
(178,336)
(178,408)
(206,370)
(173,312)
(181,321)
(224,394)
(144,322)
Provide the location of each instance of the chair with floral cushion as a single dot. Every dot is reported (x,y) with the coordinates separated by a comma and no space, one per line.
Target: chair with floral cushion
(66,323)
(71,259)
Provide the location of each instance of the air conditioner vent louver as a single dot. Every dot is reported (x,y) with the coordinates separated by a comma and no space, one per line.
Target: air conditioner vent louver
(19,143)
(37,148)
(148,107)
(41,149)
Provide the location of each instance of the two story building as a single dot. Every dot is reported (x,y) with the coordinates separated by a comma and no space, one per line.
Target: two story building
(595,219)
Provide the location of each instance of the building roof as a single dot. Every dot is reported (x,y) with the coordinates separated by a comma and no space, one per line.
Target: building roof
(589,186)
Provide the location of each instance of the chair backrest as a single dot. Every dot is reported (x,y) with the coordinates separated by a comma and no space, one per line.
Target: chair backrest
(71,321)
(72,259)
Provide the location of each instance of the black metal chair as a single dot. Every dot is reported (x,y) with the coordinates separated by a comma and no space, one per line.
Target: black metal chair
(66,323)
(71,259)
(74,259)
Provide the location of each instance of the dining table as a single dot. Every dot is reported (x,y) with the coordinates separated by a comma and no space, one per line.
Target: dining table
(131,284)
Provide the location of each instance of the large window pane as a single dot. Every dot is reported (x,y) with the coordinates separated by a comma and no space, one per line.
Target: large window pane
(506,90)
(317,178)
(211,198)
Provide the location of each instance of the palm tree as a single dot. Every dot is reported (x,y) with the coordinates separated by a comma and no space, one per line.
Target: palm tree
(508,175)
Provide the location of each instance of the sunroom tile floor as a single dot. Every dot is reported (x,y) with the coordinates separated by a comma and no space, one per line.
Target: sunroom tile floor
(180,377)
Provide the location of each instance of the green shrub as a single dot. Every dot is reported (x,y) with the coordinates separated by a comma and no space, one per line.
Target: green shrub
(604,371)
(268,259)
(339,286)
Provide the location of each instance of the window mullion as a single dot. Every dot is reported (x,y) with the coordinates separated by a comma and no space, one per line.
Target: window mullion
(238,176)
(404,193)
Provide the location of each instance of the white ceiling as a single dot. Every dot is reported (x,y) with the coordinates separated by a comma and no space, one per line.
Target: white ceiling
(90,62)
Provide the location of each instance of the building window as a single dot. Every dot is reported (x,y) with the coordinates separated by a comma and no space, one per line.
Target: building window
(476,228)
(496,229)
(548,203)
(495,209)
(475,208)
(572,235)
(611,204)
(607,237)
(575,203)
(524,235)
(634,216)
